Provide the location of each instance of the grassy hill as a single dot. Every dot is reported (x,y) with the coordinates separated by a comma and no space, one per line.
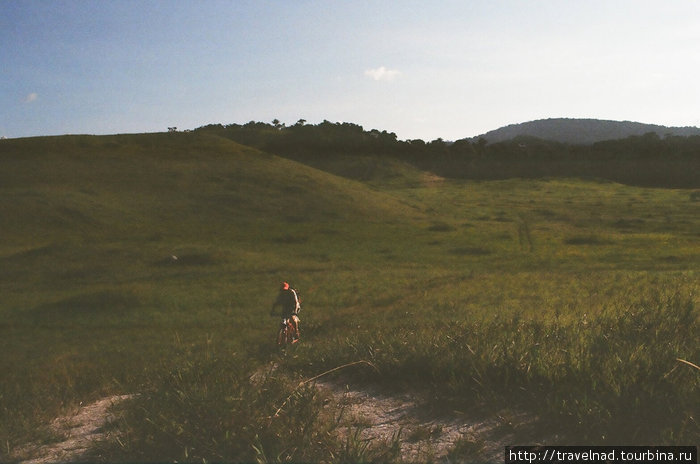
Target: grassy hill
(114,183)
(148,264)
(97,207)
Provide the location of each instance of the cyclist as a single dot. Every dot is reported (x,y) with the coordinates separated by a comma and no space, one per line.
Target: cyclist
(289,301)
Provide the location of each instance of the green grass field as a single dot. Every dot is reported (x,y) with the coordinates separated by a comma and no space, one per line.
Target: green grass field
(569,299)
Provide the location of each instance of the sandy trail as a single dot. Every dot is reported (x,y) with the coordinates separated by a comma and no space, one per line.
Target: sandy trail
(79,432)
(425,436)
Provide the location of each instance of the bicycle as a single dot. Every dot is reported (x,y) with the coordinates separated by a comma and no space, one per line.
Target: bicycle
(286,334)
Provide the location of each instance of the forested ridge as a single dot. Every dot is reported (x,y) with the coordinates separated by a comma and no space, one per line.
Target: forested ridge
(581,131)
(645,160)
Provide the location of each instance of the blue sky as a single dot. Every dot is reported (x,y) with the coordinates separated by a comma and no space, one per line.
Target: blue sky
(448,69)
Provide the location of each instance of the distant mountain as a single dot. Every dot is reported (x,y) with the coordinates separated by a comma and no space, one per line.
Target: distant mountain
(582,131)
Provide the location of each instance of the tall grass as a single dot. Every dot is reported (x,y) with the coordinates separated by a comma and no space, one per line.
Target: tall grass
(604,379)
(611,379)
(207,409)
(211,408)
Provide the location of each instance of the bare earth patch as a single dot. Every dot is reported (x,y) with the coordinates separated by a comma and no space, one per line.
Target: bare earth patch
(424,435)
(79,432)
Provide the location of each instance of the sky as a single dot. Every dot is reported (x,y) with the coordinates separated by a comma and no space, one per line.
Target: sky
(423,70)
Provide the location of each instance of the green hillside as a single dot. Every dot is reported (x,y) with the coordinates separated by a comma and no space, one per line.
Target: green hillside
(148,264)
(119,207)
(114,184)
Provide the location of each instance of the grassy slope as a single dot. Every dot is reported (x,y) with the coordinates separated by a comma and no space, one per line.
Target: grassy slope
(111,210)
(93,302)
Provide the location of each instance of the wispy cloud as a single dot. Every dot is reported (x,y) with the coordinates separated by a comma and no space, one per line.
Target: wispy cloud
(32,97)
(382,74)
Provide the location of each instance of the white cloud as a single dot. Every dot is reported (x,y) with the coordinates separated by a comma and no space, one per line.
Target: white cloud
(382,74)
(32,97)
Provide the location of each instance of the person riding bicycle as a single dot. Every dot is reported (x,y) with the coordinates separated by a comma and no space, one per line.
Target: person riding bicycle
(289,301)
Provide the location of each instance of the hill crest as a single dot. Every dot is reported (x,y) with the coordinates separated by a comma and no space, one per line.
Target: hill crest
(582,131)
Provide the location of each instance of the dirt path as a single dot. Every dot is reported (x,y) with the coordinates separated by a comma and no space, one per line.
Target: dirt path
(78,432)
(424,435)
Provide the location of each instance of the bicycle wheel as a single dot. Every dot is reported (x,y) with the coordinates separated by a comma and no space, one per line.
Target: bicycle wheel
(285,336)
(282,336)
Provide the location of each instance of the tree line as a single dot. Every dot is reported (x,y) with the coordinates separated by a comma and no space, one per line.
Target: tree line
(646,160)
